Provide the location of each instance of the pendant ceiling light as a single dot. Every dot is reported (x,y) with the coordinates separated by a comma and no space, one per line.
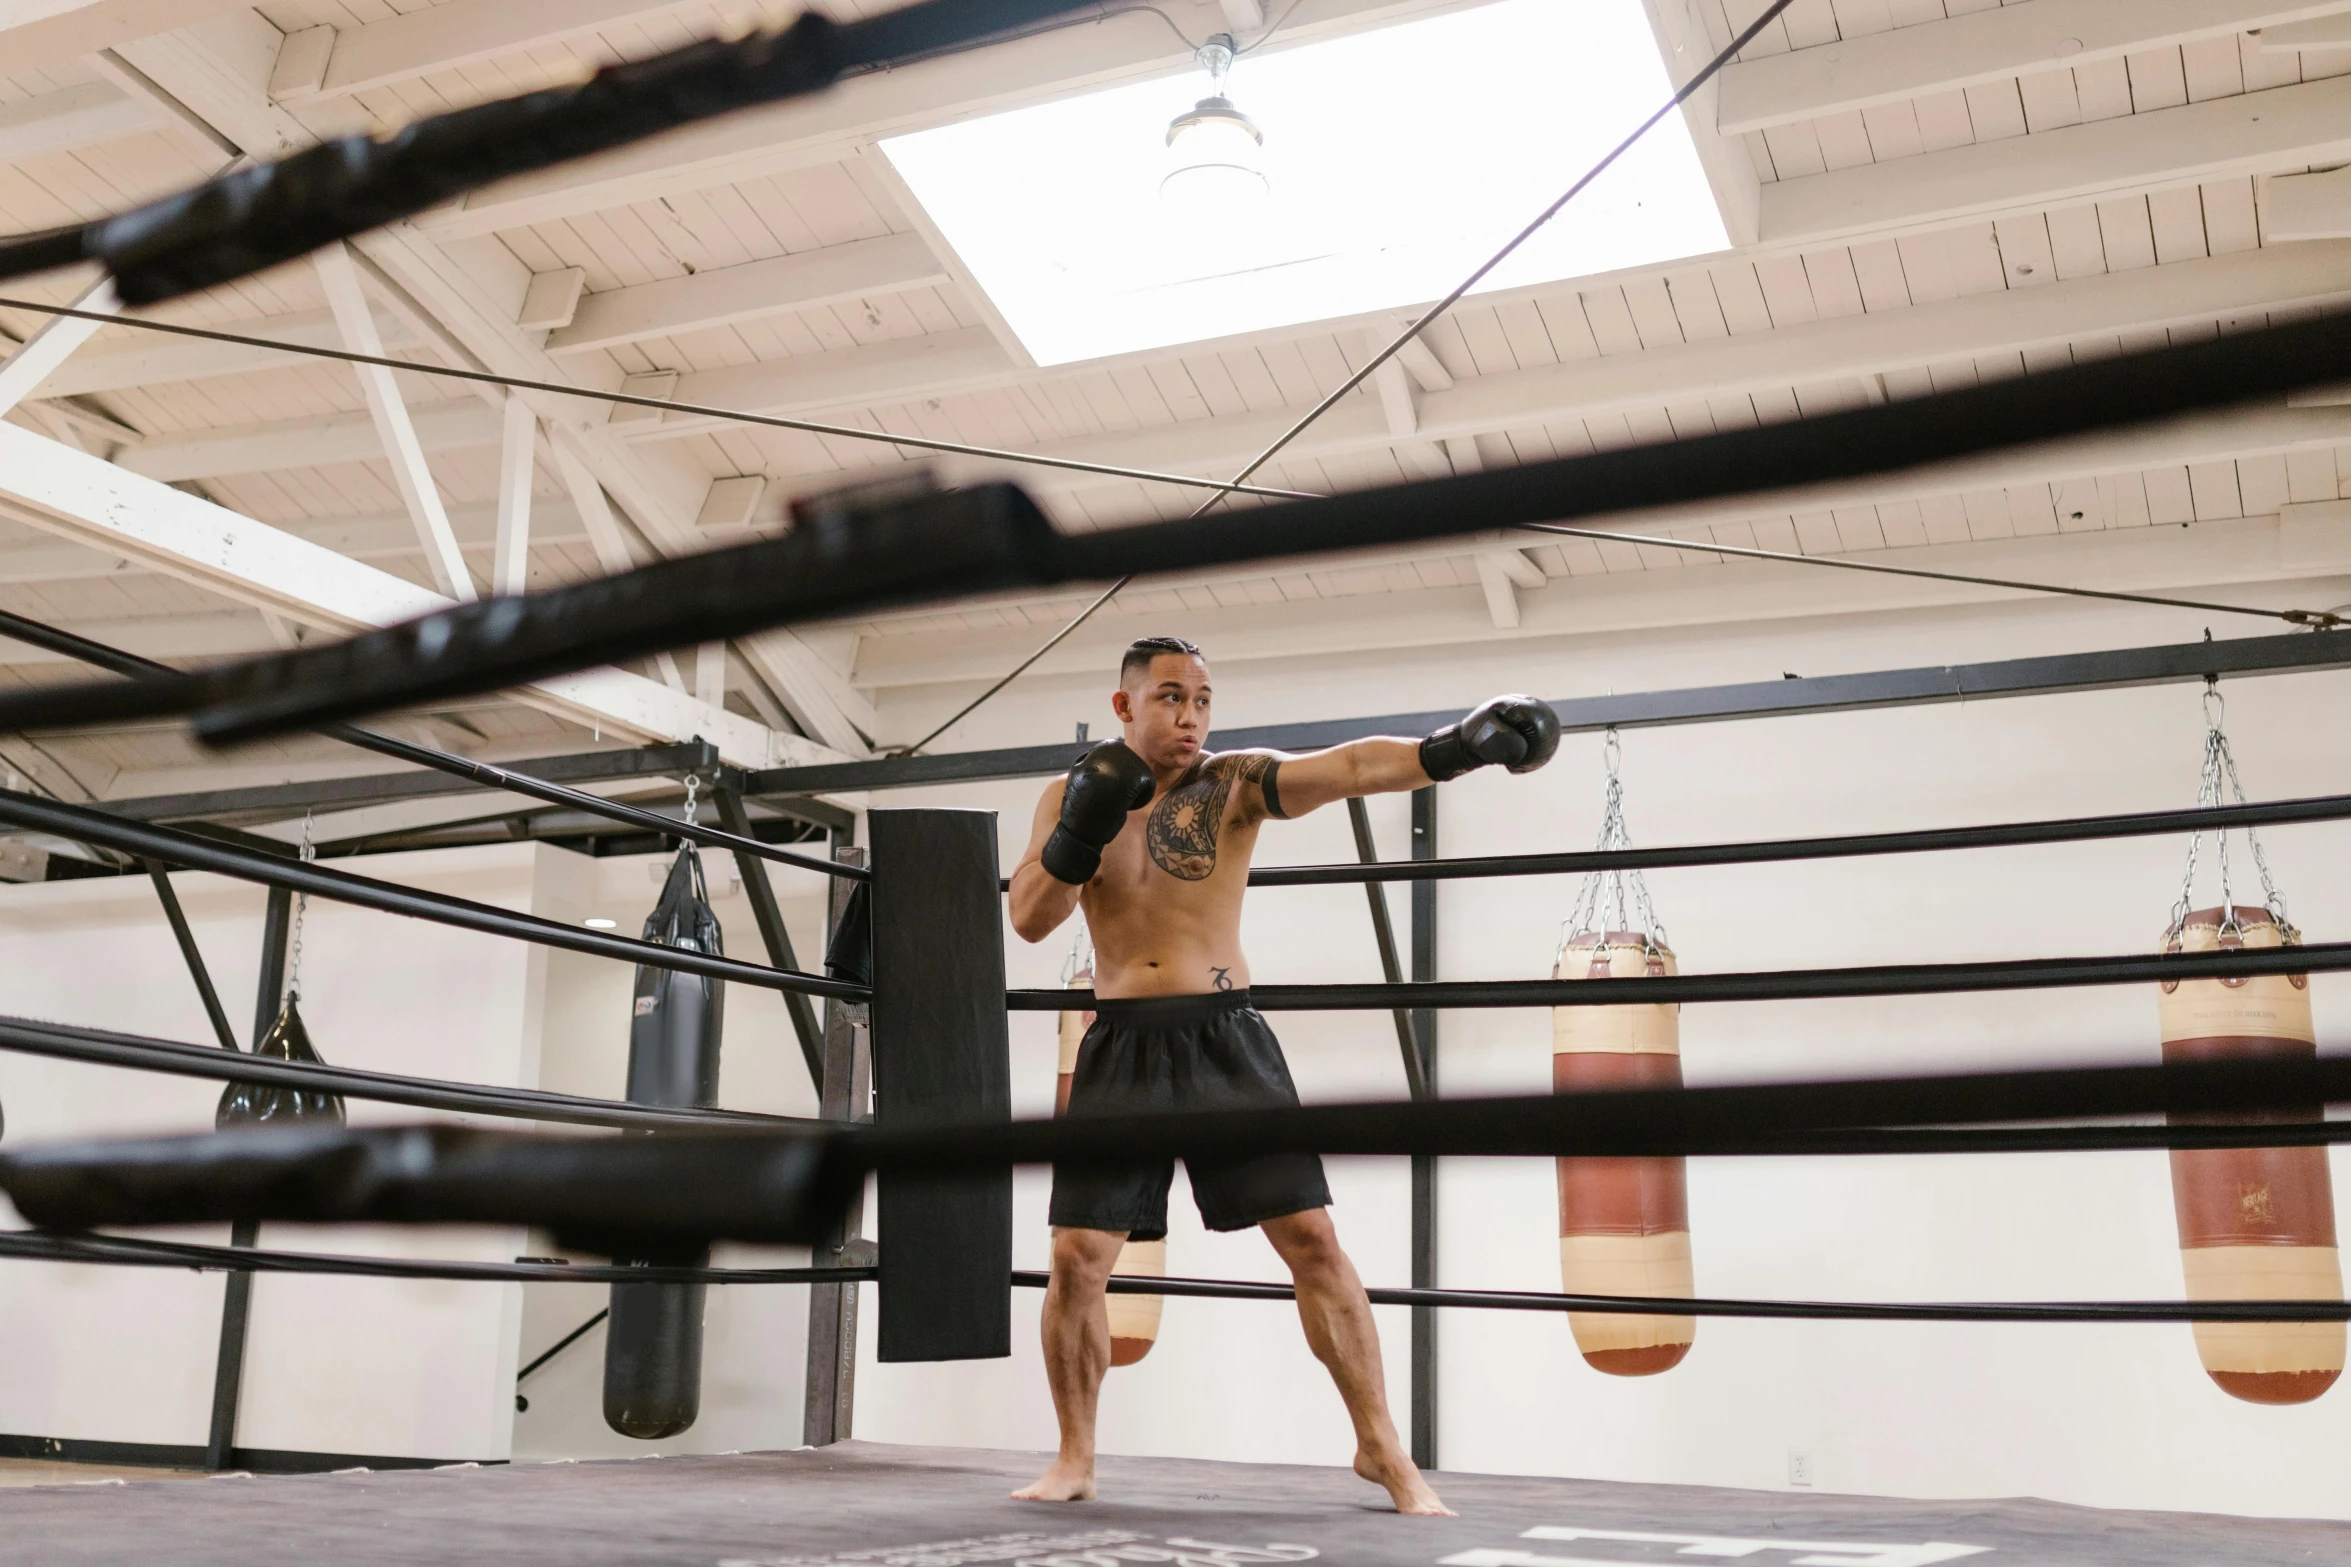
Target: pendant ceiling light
(1215,152)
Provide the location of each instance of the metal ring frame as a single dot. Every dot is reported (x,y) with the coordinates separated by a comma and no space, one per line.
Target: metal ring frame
(95,1045)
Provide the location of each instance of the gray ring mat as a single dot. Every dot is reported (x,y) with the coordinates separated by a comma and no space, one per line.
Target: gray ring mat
(864,1504)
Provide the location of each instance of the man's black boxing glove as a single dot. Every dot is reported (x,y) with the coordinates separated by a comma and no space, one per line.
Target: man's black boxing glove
(1107,782)
(1518,732)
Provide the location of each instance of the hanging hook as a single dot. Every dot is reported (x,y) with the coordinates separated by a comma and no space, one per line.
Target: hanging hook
(693,787)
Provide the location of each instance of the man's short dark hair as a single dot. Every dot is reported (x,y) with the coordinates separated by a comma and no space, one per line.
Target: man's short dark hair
(1138,657)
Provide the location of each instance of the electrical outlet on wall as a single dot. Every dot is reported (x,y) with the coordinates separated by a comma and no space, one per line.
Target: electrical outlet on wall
(1800,1466)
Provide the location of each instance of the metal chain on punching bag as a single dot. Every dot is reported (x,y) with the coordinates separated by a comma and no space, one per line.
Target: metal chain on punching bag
(2254,1223)
(653,1348)
(258,1104)
(1624,1224)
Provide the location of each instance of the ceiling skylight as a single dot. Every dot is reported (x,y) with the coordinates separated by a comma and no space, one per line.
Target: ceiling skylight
(1396,161)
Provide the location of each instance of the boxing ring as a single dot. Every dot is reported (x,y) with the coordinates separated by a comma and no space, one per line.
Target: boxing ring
(937,1137)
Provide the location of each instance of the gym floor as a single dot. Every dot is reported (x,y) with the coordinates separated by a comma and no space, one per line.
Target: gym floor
(863,1504)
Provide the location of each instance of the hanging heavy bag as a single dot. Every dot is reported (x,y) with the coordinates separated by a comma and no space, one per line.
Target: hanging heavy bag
(653,1346)
(266,1104)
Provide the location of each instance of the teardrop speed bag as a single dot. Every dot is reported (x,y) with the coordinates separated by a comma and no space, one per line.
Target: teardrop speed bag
(653,1344)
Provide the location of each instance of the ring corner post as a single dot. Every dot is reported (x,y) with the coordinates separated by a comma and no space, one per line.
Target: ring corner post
(941,1053)
(1424,1167)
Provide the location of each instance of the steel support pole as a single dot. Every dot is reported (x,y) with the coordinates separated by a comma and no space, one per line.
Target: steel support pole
(830,1401)
(1383,932)
(157,873)
(770,919)
(236,1307)
(1424,1169)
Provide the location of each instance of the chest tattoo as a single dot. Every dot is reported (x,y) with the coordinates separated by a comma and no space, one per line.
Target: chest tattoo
(1182,832)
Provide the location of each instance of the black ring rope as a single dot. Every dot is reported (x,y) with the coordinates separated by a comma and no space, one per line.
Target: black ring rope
(2077,829)
(256,217)
(57,640)
(145,841)
(889,552)
(1800,1310)
(848,432)
(45,1246)
(109,1250)
(102,1047)
(643,1196)
(1893,979)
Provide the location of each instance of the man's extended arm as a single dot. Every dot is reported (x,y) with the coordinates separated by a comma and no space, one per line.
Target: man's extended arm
(1039,901)
(1516,732)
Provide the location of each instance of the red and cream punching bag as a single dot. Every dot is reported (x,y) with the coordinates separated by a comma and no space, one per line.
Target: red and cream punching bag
(1624,1224)
(2254,1223)
(1134,1319)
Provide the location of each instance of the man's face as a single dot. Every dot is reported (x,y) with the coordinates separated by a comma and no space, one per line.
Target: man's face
(1165,710)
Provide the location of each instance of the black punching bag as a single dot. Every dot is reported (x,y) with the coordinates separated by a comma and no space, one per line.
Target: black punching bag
(267,1104)
(653,1346)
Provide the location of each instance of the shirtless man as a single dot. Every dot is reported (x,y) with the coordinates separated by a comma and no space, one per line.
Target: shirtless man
(1152,836)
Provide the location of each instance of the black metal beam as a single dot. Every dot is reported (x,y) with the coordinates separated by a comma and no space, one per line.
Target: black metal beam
(188,951)
(769,917)
(829,1401)
(279,801)
(2173,663)
(236,1306)
(1424,1166)
(1383,935)
(187,849)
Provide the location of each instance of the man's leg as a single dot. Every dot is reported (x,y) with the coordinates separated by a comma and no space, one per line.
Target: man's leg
(1339,1329)
(1077,1353)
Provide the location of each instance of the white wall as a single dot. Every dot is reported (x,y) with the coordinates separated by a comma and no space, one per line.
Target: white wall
(391,1368)
(2118,1416)
(401,1368)
(754,1336)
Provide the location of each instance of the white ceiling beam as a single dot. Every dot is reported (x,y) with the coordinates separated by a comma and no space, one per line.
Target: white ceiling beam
(467,305)
(53,342)
(78,116)
(2265,132)
(467,32)
(2329,32)
(1974,48)
(510,556)
(2197,560)
(1243,16)
(2257,432)
(2306,206)
(382,536)
(54,487)
(900,370)
(153,358)
(317,441)
(36,36)
(411,475)
(809,280)
(1685,45)
(832,126)
(817,695)
(1982,325)
(1501,593)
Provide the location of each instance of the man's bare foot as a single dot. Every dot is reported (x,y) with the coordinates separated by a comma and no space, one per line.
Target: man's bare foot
(1071,1481)
(1401,1479)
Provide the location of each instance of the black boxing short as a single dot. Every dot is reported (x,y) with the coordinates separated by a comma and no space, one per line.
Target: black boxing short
(1202,1052)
